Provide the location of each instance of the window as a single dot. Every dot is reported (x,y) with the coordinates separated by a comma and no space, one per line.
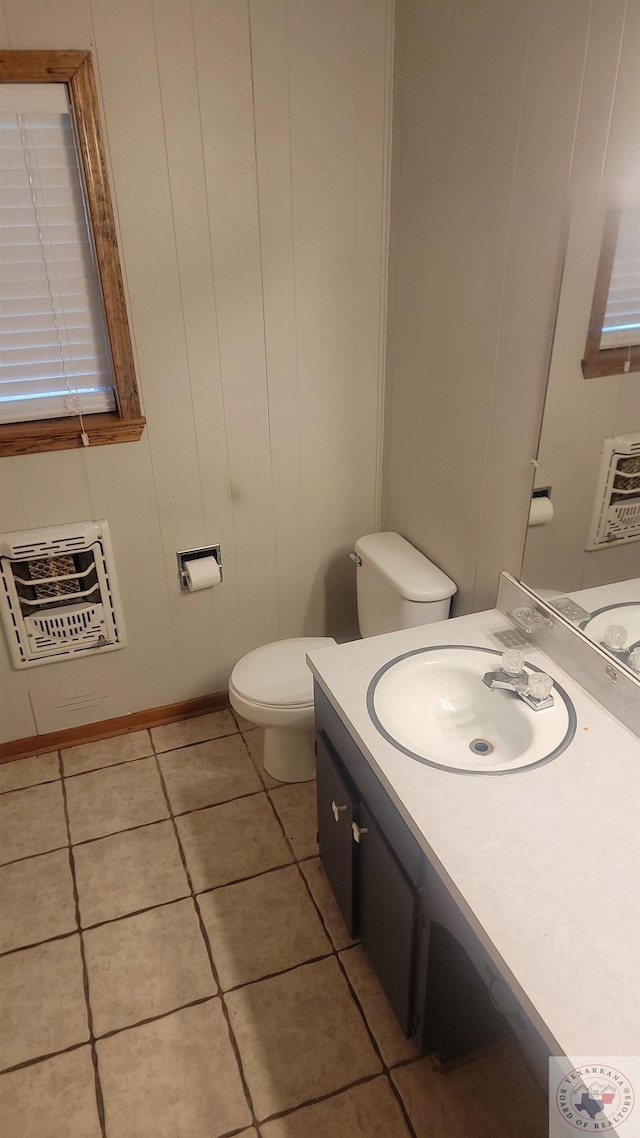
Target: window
(66,364)
(613,339)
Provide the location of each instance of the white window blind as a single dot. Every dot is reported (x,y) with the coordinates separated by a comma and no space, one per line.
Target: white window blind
(54,354)
(621,324)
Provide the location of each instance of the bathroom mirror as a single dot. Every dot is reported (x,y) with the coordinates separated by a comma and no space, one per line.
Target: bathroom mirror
(582,550)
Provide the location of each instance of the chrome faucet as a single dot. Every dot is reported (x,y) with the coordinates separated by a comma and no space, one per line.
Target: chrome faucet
(532,687)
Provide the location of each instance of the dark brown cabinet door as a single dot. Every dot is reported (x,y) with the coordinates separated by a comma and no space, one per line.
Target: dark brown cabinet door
(337,808)
(387,917)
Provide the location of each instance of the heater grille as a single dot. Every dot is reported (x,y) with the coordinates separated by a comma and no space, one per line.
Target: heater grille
(616,514)
(59,593)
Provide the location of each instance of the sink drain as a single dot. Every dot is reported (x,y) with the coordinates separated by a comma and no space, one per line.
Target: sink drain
(481,746)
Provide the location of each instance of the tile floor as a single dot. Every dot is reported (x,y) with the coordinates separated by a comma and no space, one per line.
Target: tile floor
(173,964)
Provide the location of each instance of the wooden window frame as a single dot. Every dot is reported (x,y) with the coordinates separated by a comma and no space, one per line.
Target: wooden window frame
(126,423)
(599,361)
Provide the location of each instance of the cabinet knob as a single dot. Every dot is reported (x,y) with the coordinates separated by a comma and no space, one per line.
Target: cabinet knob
(337,810)
(357,831)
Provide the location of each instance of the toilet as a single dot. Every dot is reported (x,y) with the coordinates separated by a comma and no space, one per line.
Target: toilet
(397,587)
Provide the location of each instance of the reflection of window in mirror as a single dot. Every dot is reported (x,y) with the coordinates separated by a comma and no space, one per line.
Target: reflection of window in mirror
(66,376)
(613,340)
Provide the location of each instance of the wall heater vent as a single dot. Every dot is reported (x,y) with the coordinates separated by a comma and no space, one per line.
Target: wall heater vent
(616,514)
(59,593)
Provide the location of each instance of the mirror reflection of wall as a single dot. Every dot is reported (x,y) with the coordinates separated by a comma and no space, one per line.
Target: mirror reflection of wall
(580,416)
(582,554)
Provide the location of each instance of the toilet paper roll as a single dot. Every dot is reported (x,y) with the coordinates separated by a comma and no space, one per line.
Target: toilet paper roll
(202,573)
(541,511)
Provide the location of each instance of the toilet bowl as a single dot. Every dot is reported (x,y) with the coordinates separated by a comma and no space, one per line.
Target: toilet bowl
(397,587)
(273,688)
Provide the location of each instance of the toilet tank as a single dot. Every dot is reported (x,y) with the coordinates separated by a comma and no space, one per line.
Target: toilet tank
(397,586)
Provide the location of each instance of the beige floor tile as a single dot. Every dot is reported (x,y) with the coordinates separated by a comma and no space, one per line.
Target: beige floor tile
(229,842)
(106,752)
(261,926)
(129,871)
(146,965)
(296,806)
(208,773)
(243,724)
(29,772)
(369,1110)
(52,1099)
(322,894)
(495,1095)
(394,1046)
(117,798)
(189,731)
(32,821)
(36,900)
(42,999)
(300,1036)
(176,1077)
(255,744)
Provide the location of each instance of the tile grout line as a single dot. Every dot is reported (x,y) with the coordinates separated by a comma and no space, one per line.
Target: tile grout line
(29,786)
(399,1099)
(85,972)
(42,1058)
(335,952)
(325,1098)
(113,1031)
(267,792)
(196,743)
(386,1070)
(273,869)
(38,943)
(161,904)
(214,971)
(122,762)
(139,826)
(31,857)
(107,766)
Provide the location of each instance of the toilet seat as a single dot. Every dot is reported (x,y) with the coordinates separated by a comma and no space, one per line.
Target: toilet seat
(276,675)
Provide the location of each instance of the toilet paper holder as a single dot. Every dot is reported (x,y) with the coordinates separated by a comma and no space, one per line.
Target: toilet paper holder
(195,555)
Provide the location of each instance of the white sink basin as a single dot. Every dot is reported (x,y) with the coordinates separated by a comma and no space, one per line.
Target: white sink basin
(433,706)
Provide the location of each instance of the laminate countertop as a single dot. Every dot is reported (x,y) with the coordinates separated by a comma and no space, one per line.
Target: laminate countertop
(544,863)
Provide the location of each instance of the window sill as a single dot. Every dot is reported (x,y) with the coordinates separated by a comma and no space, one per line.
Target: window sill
(611,361)
(64,434)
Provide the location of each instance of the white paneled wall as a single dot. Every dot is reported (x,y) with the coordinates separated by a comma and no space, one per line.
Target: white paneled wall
(248,150)
(506,115)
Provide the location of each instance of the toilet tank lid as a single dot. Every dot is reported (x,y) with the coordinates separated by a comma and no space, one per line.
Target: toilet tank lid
(404,568)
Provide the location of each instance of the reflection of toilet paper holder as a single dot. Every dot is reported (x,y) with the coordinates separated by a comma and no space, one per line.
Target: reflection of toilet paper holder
(541,508)
(195,555)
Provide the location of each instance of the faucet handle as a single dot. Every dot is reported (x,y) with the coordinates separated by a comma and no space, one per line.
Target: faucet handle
(615,636)
(513,661)
(540,685)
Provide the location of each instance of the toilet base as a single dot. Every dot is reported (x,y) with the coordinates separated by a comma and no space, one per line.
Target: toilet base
(288,753)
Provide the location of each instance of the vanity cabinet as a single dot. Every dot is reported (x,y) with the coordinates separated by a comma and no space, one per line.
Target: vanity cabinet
(337,812)
(378,902)
(388,915)
(391,898)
